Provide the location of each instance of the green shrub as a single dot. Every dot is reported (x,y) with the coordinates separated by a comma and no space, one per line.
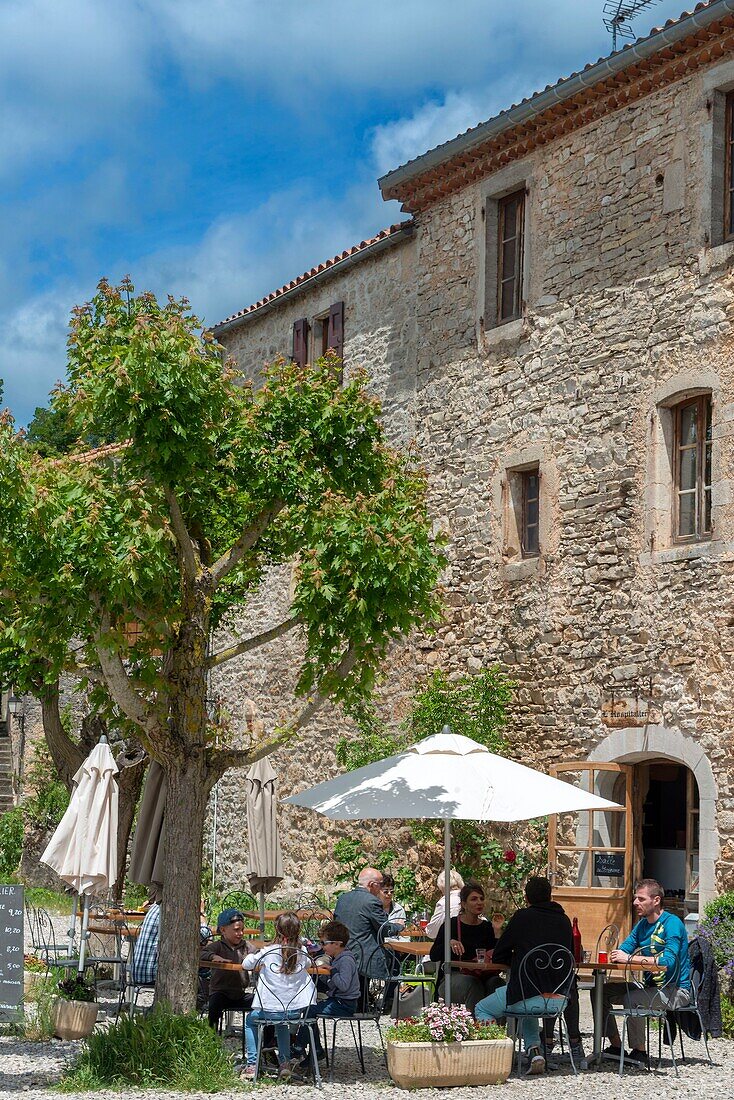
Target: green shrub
(153,1051)
(721,907)
(11,841)
(53,900)
(727,1017)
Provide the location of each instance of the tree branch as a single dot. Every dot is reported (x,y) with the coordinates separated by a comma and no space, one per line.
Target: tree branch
(229,561)
(223,759)
(119,684)
(65,753)
(253,643)
(183,538)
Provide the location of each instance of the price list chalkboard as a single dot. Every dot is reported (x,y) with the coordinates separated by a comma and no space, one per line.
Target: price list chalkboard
(11,952)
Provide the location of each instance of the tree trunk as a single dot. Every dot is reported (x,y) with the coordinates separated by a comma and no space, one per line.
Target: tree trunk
(186,802)
(129,782)
(65,753)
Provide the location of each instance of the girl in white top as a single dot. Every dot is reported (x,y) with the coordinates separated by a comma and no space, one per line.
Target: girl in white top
(284,989)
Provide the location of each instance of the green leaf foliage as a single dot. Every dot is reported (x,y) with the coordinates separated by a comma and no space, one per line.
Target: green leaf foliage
(86,547)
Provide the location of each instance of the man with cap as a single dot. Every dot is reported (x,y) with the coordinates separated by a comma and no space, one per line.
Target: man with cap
(227,987)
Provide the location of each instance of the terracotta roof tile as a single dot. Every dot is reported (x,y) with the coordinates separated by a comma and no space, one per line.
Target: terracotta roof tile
(391,231)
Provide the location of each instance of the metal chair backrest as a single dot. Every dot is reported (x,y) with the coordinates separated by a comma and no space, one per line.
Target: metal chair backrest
(547,971)
(47,936)
(31,918)
(607,940)
(646,979)
(312,915)
(287,992)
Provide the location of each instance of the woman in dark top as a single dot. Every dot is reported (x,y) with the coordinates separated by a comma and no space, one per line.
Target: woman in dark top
(468,932)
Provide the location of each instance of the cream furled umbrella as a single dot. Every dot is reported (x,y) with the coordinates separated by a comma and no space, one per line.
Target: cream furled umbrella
(265,862)
(146,853)
(83,848)
(446,777)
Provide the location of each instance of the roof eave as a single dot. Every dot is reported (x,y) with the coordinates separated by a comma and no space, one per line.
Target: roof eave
(403,233)
(391,185)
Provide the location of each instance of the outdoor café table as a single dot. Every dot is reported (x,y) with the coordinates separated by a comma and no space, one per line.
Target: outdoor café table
(419,948)
(209,964)
(599,971)
(273,914)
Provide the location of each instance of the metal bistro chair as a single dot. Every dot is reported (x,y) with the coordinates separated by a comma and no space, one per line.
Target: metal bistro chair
(607,940)
(293,1019)
(656,1008)
(406,972)
(51,952)
(369,1009)
(694,1008)
(547,973)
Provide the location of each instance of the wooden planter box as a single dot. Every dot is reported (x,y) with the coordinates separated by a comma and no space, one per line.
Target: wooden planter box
(441,1065)
(73,1019)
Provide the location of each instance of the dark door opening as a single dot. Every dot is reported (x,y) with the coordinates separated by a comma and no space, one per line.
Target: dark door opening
(669,826)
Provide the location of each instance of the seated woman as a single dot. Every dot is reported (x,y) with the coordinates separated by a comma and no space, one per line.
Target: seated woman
(456,882)
(469,930)
(283,992)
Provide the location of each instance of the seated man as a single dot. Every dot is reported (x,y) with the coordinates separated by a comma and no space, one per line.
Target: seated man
(658,937)
(542,922)
(227,987)
(342,985)
(363,913)
(144,967)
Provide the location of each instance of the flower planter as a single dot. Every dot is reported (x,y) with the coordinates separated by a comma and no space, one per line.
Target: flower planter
(73,1019)
(441,1065)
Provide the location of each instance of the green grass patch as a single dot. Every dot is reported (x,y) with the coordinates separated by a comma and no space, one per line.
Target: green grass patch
(155,1050)
(53,900)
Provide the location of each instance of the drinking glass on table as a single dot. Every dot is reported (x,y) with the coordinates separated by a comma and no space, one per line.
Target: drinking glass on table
(481,954)
(603,958)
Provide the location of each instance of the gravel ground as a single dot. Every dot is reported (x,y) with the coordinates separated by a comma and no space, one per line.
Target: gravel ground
(35,1067)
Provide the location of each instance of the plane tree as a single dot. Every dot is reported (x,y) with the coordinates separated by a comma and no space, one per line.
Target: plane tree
(118,566)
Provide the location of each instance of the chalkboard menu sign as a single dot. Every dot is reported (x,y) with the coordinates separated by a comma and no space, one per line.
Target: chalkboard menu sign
(11,952)
(609,864)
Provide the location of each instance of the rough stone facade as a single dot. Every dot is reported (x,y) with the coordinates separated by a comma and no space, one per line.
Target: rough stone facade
(629,299)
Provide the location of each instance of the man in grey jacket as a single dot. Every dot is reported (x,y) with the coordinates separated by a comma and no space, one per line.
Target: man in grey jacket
(363,912)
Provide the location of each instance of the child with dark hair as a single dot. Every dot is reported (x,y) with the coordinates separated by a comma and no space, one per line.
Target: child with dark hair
(342,985)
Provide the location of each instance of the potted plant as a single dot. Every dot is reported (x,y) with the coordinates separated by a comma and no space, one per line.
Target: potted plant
(74,1012)
(34,970)
(446,1046)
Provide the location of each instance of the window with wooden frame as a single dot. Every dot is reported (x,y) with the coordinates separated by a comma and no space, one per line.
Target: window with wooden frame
(328,331)
(530,517)
(729,169)
(692,445)
(510,246)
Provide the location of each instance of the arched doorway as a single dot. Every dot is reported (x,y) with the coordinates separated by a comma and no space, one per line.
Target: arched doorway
(665,828)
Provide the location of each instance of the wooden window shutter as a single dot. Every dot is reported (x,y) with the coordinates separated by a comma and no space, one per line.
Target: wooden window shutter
(300,342)
(336,328)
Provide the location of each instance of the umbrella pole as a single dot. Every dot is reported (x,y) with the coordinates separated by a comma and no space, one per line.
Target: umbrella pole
(85,933)
(447,911)
(72,927)
(262,912)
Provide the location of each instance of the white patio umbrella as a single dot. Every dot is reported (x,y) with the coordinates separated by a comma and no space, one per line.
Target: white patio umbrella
(446,777)
(265,862)
(83,848)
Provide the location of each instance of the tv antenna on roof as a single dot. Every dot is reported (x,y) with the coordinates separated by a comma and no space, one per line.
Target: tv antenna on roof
(618,14)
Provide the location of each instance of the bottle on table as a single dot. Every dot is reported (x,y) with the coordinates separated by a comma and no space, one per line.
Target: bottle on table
(576,936)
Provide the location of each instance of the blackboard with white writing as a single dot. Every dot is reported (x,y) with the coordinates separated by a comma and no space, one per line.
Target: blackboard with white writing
(608,864)
(11,952)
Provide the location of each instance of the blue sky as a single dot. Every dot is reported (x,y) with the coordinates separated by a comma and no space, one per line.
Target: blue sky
(218,149)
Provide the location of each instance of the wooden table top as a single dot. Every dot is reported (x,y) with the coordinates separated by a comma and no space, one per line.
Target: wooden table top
(209,964)
(302,914)
(110,928)
(481,968)
(409,947)
(619,968)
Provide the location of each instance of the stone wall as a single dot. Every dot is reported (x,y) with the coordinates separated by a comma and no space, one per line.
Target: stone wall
(627,305)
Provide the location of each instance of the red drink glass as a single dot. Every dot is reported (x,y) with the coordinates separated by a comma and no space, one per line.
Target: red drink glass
(603,958)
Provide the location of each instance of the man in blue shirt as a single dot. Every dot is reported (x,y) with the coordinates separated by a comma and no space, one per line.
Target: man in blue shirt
(658,937)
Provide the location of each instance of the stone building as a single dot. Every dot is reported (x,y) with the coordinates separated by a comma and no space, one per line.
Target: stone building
(553,328)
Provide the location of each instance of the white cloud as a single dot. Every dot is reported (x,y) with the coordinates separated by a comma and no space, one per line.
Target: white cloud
(33,352)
